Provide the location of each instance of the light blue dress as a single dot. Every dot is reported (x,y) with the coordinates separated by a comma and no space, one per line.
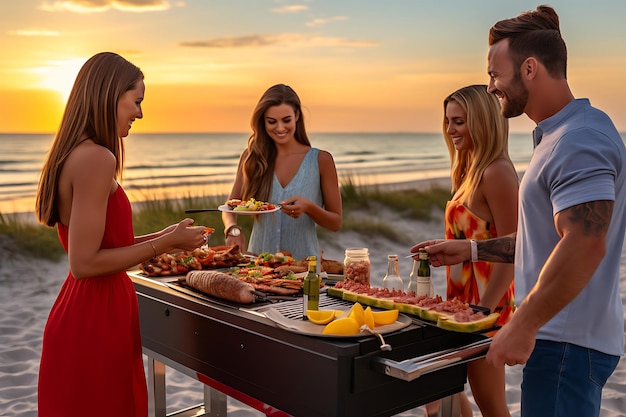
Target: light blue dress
(277,231)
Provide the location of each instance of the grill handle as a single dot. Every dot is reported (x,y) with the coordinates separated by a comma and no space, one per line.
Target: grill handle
(413,368)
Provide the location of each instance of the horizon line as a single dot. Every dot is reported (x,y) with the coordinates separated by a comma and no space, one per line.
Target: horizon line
(398,132)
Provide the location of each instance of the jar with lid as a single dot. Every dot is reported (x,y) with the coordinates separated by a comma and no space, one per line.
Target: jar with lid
(392,280)
(356,266)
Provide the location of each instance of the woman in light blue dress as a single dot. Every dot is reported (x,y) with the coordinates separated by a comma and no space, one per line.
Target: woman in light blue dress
(280,166)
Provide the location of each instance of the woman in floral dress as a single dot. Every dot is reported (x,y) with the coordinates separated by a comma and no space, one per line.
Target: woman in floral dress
(483,206)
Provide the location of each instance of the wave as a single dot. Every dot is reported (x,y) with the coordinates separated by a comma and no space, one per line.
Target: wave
(204,160)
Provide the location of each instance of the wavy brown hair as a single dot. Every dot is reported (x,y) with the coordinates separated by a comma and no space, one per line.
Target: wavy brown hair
(534,33)
(91,112)
(489,131)
(259,158)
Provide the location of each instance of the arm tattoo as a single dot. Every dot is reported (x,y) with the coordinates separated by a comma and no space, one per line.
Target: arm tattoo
(501,249)
(594,216)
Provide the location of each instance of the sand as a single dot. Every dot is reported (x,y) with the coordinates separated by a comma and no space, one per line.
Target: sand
(28,289)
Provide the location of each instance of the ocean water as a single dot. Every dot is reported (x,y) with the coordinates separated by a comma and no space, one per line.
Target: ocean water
(165,165)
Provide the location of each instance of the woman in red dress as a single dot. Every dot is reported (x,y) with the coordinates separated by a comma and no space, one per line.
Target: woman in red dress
(91,360)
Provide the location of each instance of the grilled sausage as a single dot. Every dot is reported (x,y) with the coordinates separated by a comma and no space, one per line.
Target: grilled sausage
(221,285)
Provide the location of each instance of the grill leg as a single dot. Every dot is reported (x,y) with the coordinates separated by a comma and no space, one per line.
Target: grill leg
(451,406)
(214,402)
(156,388)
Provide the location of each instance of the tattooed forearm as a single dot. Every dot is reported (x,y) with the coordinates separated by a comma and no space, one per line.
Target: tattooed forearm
(497,250)
(594,216)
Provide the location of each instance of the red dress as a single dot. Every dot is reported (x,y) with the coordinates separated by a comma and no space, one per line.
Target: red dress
(91,361)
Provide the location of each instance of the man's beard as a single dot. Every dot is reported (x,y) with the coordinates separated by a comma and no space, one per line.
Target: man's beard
(515,99)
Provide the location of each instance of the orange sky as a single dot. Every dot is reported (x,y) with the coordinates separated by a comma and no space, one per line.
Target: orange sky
(357,66)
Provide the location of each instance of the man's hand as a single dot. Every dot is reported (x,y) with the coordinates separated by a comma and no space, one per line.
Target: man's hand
(445,252)
(512,345)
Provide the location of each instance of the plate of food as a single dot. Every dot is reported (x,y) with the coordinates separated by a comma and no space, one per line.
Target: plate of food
(250,206)
(311,329)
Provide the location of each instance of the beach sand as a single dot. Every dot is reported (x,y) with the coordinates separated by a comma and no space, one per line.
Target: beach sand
(29,287)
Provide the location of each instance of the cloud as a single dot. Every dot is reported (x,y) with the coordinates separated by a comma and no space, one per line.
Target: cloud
(34,32)
(232,42)
(322,22)
(284,39)
(94,6)
(294,8)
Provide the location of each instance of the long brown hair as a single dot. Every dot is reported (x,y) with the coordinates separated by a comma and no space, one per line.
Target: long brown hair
(260,156)
(490,137)
(91,112)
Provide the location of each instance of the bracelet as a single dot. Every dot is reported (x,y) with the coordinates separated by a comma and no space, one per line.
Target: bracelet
(153,248)
(474,250)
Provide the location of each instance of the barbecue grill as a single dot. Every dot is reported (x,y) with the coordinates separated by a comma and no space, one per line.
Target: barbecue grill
(236,350)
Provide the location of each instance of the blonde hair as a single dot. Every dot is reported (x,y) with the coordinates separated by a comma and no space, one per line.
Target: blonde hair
(260,156)
(489,131)
(91,112)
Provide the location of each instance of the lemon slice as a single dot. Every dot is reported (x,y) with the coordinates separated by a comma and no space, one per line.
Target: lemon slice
(321,316)
(368,316)
(339,313)
(385,317)
(342,327)
(357,313)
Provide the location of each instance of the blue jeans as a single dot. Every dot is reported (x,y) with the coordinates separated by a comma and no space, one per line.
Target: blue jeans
(564,380)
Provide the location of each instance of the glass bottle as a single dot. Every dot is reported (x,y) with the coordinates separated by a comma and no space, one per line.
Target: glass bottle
(392,279)
(311,288)
(412,287)
(356,266)
(424,283)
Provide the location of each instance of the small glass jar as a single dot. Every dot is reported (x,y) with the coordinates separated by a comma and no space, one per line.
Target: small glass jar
(356,266)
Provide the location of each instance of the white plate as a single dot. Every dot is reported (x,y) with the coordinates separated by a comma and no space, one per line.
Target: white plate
(227,209)
(312,329)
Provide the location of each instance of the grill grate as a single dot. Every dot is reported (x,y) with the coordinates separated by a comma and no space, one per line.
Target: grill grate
(293,309)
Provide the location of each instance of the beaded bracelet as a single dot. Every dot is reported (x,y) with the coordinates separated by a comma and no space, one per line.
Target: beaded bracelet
(153,248)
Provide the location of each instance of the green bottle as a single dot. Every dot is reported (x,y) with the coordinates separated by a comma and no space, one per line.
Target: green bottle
(311,298)
(424,283)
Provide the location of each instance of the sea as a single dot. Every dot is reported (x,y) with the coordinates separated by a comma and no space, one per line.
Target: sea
(170,165)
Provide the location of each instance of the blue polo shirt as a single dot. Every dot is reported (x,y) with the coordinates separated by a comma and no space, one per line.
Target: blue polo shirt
(578,157)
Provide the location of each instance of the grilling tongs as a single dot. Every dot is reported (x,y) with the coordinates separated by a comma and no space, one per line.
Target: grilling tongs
(413,368)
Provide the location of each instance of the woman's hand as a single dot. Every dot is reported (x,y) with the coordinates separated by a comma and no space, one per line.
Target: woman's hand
(185,236)
(295,206)
(237,240)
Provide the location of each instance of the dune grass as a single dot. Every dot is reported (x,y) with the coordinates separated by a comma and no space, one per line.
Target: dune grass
(30,238)
(35,240)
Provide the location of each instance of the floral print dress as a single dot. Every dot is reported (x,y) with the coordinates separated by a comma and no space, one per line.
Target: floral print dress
(468,281)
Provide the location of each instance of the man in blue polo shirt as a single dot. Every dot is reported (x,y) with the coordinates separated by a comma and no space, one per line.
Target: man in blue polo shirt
(569,324)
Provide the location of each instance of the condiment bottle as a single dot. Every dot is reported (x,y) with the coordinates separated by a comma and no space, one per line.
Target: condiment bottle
(356,266)
(424,283)
(311,288)
(392,279)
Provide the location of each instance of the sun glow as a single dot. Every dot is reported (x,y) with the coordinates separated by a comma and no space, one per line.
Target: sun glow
(59,76)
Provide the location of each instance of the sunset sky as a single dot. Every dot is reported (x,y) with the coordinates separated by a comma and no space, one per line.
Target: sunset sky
(358,65)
